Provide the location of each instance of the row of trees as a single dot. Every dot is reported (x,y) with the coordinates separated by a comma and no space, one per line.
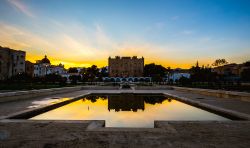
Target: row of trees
(89,74)
(205,74)
(199,73)
(156,72)
(50,78)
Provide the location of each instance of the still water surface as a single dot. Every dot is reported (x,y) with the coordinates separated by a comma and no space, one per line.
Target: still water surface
(128,111)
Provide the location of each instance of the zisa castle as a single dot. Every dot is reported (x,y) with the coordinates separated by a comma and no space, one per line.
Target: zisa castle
(125,66)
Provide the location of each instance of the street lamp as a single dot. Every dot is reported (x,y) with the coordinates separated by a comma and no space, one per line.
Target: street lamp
(46,69)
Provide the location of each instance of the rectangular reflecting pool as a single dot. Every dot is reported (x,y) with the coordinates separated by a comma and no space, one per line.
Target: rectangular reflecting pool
(128,110)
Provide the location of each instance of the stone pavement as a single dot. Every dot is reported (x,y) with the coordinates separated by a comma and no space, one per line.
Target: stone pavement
(167,134)
(227,103)
(16,106)
(23,133)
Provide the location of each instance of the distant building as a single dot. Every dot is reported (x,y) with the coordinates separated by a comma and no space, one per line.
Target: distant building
(229,69)
(29,68)
(58,69)
(125,66)
(232,71)
(123,103)
(12,62)
(43,67)
(176,74)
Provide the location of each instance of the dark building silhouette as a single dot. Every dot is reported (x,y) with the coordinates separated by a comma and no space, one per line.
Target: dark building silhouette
(12,62)
(128,102)
(126,66)
(125,102)
(29,68)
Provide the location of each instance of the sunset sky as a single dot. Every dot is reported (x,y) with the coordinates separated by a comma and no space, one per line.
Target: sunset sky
(173,33)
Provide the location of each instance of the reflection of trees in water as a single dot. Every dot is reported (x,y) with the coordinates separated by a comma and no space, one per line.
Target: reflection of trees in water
(93,98)
(127,102)
(103,97)
(155,99)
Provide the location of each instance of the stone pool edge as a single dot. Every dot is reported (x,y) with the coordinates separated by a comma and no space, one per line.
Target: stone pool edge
(23,115)
(234,115)
(28,113)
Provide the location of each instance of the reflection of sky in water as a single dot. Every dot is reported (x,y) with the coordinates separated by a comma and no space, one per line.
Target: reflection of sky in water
(46,101)
(118,116)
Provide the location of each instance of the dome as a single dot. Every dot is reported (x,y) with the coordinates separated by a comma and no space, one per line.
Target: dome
(45,60)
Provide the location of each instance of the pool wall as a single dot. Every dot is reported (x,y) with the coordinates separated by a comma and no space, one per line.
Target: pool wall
(36,111)
(219,111)
(244,96)
(233,115)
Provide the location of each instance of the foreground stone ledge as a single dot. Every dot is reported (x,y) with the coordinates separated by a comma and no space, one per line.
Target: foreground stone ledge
(93,133)
(244,96)
(21,95)
(40,134)
(154,88)
(234,115)
(94,87)
(28,113)
(24,121)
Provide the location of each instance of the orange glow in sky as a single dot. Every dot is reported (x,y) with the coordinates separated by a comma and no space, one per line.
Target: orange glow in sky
(83,33)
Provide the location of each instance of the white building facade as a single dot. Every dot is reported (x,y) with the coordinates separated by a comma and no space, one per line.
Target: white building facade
(43,68)
(176,76)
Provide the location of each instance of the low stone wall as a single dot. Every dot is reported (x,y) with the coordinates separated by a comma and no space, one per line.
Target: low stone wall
(95,87)
(230,114)
(216,93)
(153,87)
(20,95)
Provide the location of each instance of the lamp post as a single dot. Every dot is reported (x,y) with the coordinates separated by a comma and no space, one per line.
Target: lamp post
(46,69)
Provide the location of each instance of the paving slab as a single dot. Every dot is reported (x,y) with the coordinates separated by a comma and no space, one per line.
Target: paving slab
(169,134)
(18,133)
(16,106)
(227,103)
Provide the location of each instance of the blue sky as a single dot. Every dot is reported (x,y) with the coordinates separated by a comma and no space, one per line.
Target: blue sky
(84,32)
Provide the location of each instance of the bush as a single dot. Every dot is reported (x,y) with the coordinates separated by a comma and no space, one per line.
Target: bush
(74,79)
(184,81)
(53,78)
(245,75)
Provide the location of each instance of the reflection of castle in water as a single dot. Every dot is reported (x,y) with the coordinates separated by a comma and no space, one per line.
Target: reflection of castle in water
(126,102)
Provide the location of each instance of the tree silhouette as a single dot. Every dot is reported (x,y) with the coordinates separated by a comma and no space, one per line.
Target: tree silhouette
(219,62)
(245,75)
(72,70)
(202,74)
(74,79)
(157,72)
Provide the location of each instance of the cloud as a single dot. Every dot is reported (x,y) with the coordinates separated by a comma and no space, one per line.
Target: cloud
(18,4)
(205,39)
(102,39)
(187,32)
(175,18)
(75,44)
(19,38)
(66,43)
(159,25)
